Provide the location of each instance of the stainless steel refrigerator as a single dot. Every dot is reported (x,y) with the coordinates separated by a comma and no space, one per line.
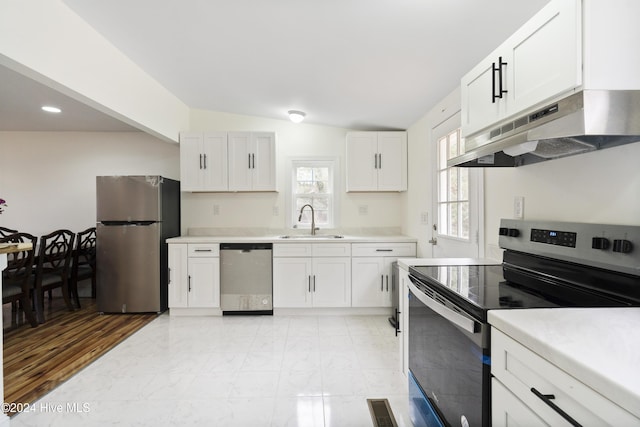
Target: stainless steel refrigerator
(135,215)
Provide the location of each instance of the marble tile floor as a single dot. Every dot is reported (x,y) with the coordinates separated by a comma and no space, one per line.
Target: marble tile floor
(235,371)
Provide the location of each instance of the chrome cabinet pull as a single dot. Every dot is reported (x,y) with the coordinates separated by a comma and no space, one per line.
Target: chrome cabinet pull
(546,398)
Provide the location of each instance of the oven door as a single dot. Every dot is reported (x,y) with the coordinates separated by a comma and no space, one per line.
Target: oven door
(448,362)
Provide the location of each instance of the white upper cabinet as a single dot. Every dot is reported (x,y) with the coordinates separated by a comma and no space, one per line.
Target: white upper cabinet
(203,161)
(252,161)
(233,161)
(569,45)
(541,60)
(377,161)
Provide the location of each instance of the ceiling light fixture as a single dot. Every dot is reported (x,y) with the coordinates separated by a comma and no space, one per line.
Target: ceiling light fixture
(296,116)
(50,109)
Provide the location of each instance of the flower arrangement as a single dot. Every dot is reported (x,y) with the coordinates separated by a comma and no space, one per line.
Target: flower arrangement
(2,203)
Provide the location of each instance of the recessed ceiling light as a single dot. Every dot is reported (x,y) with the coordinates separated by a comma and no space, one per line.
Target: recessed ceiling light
(296,116)
(51,109)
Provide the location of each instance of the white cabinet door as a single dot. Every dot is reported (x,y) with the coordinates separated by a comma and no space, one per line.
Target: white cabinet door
(214,162)
(203,161)
(292,282)
(545,56)
(362,161)
(264,161)
(190,161)
(367,285)
(252,162)
(392,161)
(178,280)
(479,107)
(331,282)
(240,172)
(403,318)
(204,282)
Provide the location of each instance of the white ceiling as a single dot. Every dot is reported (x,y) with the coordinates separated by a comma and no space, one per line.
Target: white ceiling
(358,64)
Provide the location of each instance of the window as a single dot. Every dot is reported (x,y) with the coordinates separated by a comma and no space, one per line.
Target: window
(312,182)
(453,189)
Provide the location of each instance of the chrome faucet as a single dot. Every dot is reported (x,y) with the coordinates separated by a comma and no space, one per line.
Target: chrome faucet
(313,218)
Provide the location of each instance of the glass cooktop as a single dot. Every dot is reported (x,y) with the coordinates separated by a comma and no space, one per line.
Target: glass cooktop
(478,288)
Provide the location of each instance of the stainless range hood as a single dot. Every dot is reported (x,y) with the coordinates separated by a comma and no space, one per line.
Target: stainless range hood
(582,122)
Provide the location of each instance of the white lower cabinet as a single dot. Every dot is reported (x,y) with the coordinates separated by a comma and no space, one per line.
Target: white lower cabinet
(371,283)
(525,384)
(403,318)
(300,280)
(194,276)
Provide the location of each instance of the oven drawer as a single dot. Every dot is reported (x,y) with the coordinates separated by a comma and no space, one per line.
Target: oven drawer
(530,377)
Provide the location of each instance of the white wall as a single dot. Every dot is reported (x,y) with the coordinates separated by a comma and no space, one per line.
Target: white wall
(49,43)
(419,198)
(48,178)
(598,187)
(256,210)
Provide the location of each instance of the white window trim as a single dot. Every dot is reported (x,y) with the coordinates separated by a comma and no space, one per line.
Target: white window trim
(290,219)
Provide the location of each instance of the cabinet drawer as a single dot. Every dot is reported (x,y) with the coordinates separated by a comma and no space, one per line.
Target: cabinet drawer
(331,249)
(291,249)
(203,250)
(384,249)
(521,370)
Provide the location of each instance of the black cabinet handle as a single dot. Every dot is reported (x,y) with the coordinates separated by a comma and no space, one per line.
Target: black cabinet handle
(314,283)
(497,70)
(309,283)
(387,276)
(200,161)
(253,161)
(546,398)
(205,160)
(169,276)
(189,283)
(379,161)
(375,161)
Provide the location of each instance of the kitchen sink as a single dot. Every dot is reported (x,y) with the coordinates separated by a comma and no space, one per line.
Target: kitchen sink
(309,236)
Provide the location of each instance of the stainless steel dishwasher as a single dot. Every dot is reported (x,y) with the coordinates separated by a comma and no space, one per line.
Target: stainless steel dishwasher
(246,278)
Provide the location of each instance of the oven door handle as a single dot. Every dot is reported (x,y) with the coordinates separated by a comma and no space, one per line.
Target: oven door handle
(465,323)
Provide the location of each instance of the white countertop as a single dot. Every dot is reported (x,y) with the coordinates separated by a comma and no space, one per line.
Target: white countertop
(598,346)
(279,239)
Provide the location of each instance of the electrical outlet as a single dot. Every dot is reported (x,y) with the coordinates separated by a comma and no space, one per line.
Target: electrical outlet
(363,209)
(276,211)
(518,207)
(424,218)
(216,209)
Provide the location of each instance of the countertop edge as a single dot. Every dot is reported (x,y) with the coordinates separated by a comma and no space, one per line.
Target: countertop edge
(277,239)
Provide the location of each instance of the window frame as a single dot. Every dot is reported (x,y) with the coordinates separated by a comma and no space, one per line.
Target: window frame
(291,219)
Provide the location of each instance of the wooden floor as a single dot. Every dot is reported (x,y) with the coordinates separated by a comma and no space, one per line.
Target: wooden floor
(36,360)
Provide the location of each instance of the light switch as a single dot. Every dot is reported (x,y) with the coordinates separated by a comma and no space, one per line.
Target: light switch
(518,207)
(216,209)
(424,218)
(363,209)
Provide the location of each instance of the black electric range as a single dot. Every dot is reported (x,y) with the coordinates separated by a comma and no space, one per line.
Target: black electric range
(545,265)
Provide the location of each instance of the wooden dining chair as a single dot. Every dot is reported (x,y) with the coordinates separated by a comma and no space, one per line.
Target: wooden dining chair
(16,278)
(52,268)
(4,232)
(83,262)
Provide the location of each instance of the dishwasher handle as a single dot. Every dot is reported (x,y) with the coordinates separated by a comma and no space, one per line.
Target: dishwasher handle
(246,246)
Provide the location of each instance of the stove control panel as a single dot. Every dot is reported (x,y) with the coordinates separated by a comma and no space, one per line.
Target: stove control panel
(554,237)
(609,246)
